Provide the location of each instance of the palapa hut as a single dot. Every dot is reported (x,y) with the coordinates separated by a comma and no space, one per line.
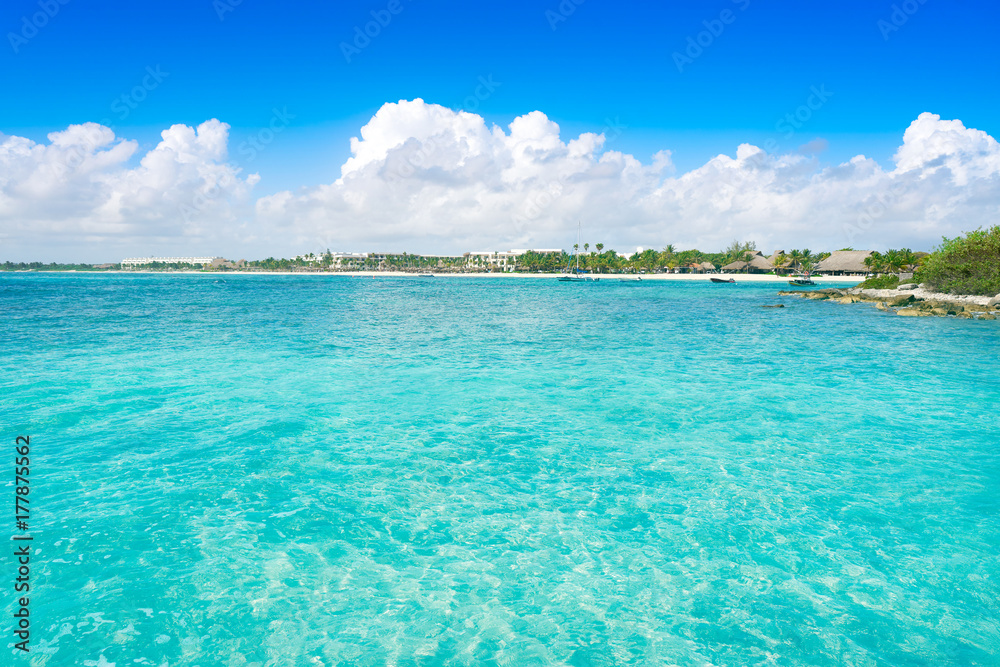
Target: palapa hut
(703,267)
(759,264)
(784,266)
(844,263)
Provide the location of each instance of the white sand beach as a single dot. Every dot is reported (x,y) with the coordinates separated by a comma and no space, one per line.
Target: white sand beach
(684,277)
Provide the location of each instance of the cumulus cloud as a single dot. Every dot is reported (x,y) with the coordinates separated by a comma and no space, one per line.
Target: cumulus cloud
(425,178)
(428,177)
(83,188)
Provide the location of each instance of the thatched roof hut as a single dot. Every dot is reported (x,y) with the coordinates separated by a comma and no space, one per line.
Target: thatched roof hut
(843,262)
(759,264)
(700,267)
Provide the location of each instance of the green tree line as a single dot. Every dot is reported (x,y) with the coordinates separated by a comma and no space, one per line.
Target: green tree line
(964,265)
(53,266)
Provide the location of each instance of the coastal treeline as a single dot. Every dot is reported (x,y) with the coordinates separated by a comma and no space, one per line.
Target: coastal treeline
(968,264)
(600,260)
(327,261)
(964,265)
(589,259)
(53,266)
(886,267)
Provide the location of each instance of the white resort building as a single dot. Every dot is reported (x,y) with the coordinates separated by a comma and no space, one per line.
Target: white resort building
(133,262)
(504,261)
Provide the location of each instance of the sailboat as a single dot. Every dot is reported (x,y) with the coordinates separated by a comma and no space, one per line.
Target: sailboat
(575,278)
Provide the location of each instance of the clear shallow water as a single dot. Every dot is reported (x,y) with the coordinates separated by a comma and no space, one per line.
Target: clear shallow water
(301,470)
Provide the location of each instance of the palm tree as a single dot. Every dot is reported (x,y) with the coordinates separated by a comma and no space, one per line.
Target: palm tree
(796,257)
(600,247)
(894,261)
(908,258)
(779,261)
(874,261)
(747,257)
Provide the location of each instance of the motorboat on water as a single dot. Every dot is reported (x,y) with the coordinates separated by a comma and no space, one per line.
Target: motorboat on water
(722,280)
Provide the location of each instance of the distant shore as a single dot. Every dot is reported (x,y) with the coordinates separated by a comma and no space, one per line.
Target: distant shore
(684,277)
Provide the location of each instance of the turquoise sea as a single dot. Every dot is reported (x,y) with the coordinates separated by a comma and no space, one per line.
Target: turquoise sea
(268,470)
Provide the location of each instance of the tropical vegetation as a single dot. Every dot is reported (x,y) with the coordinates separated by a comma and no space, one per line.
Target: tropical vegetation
(893,261)
(965,265)
(53,266)
(884,281)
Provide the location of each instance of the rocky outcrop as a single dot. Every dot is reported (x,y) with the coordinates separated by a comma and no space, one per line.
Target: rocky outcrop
(900,300)
(909,301)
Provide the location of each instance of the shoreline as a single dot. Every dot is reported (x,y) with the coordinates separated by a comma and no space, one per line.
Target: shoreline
(914,302)
(682,277)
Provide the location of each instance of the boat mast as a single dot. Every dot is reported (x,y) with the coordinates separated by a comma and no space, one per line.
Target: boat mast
(579,237)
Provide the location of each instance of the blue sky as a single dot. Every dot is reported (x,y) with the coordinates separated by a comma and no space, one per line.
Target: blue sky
(603,62)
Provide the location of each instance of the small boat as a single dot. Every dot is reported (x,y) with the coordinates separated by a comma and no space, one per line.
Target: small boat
(636,279)
(576,278)
(423,275)
(801,282)
(720,280)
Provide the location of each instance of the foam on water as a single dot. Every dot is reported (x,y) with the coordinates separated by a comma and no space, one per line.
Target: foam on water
(302,470)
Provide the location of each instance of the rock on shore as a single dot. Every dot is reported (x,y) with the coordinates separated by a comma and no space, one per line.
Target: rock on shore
(910,301)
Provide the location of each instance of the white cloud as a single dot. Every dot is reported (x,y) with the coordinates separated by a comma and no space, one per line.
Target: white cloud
(82,189)
(425,178)
(930,144)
